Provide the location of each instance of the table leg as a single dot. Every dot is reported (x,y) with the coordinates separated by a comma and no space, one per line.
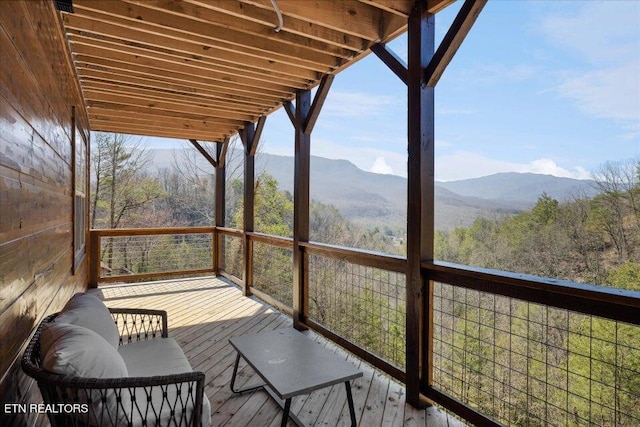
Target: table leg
(233,379)
(285,413)
(352,410)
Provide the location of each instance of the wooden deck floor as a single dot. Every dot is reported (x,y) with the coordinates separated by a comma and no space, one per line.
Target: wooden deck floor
(205,312)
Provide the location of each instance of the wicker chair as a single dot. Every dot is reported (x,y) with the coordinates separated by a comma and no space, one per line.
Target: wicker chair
(175,400)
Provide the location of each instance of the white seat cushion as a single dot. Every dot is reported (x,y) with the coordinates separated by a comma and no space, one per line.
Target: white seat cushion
(90,312)
(149,358)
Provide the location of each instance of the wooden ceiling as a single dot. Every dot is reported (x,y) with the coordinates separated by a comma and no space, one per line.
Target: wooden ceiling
(199,68)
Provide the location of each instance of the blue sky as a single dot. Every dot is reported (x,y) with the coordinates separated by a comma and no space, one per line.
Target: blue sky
(538,86)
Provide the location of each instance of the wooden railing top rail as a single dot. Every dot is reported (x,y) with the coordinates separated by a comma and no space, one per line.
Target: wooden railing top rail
(230,231)
(114,232)
(280,241)
(358,256)
(603,301)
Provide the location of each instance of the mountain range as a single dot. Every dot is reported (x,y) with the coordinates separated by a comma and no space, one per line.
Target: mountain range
(380,200)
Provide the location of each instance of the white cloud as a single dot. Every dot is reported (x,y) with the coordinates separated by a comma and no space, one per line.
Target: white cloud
(607,93)
(465,165)
(357,104)
(605,36)
(380,166)
(596,31)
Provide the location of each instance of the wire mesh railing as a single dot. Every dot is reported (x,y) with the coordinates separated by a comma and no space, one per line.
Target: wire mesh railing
(362,304)
(523,363)
(273,271)
(140,253)
(232,255)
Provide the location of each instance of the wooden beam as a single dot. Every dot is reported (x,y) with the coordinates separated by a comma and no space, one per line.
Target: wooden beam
(293,25)
(318,102)
(248,139)
(290,110)
(204,153)
(96,25)
(93,95)
(221,150)
(111,65)
(302,163)
(391,60)
(168,96)
(271,49)
(167,61)
(453,39)
(420,203)
(346,16)
(237,26)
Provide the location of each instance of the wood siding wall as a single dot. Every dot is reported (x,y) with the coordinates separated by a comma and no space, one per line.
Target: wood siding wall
(37,93)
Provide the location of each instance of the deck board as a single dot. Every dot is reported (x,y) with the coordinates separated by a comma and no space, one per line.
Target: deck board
(205,312)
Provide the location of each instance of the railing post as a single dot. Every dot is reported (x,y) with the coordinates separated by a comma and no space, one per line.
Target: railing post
(420,206)
(94,258)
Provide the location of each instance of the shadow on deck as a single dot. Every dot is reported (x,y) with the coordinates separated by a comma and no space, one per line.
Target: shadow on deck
(205,312)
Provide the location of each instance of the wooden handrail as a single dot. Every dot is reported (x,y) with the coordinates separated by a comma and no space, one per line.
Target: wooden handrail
(151,231)
(611,303)
(279,241)
(230,231)
(358,256)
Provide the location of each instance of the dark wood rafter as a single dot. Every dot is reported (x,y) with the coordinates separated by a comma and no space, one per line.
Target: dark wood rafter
(456,34)
(204,152)
(302,164)
(318,102)
(420,206)
(391,60)
(290,109)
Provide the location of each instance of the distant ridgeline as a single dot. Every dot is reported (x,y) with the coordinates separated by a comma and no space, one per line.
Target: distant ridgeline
(376,200)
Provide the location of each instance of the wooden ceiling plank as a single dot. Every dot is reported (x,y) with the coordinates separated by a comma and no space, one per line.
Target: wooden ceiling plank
(88,75)
(162,19)
(178,42)
(397,7)
(403,7)
(94,96)
(174,126)
(230,22)
(294,25)
(82,44)
(88,52)
(204,40)
(166,96)
(155,131)
(208,123)
(85,61)
(117,76)
(347,16)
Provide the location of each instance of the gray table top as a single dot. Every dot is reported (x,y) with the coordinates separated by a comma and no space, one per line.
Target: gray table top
(292,364)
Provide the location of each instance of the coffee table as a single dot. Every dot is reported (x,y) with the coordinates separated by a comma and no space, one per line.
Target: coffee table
(291,364)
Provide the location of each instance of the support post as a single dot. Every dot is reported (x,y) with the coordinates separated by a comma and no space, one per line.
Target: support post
(302,166)
(221,150)
(420,202)
(249,199)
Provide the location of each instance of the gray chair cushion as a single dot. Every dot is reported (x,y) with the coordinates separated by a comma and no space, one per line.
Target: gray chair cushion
(160,356)
(89,311)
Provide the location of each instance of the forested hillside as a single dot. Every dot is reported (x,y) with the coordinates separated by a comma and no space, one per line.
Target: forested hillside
(522,363)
